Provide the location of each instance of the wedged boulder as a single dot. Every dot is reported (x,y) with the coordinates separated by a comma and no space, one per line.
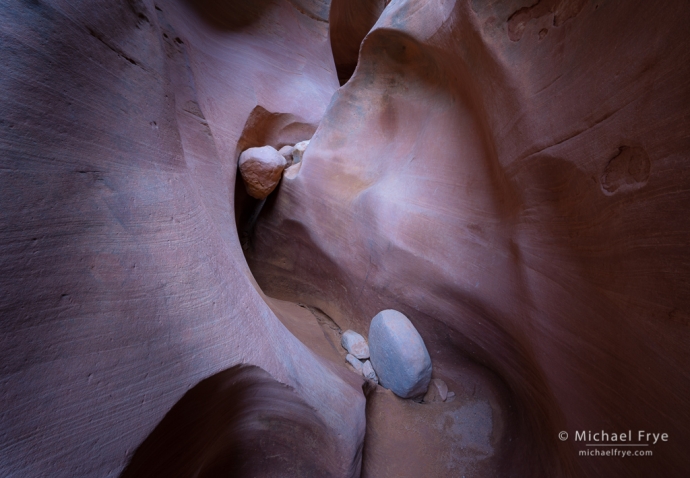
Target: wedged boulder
(261,169)
(368,372)
(437,391)
(299,150)
(398,354)
(286,152)
(355,344)
(354,361)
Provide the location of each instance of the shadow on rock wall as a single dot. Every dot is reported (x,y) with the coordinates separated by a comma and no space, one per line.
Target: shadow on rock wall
(231,15)
(239,422)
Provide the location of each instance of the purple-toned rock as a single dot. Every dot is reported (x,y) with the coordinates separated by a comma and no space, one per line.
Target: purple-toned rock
(354,361)
(355,344)
(369,373)
(286,152)
(398,354)
(437,392)
(261,169)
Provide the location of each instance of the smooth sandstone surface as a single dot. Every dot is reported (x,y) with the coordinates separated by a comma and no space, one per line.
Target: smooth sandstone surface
(514,177)
(292,171)
(123,283)
(398,354)
(511,174)
(261,169)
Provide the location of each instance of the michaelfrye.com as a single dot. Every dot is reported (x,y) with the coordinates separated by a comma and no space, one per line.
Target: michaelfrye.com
(616,444)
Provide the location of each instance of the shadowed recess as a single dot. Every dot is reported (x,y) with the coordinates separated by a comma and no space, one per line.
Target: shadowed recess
(239,422)
(263,128)
(350,21)
(237,15)
(234,15)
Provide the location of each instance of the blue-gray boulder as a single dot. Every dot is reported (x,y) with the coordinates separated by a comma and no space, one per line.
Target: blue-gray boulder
(398,354)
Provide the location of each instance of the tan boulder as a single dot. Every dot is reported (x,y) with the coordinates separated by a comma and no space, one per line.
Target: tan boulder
(261,169)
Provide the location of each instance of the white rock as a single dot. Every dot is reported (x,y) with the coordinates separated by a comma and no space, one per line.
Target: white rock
(355,344)
(437,391)
(286,152)
(354,361)
(368,372)
(299,150)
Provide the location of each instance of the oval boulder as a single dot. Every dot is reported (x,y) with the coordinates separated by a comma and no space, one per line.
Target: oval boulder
(261,169)
(398,354)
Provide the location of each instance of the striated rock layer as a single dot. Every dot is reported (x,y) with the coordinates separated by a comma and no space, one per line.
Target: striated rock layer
(122,279)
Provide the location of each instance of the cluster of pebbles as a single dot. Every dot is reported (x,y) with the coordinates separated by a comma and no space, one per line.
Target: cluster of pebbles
(357,354)
(396,357)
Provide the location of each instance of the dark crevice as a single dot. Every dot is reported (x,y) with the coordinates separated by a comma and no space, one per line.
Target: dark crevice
(139,9)
(113,48)
(307,13)
(350,21)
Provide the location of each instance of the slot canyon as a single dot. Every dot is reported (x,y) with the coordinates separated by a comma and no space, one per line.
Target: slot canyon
(512,176)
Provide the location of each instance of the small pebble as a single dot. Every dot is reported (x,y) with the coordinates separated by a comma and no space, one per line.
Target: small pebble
(354,361)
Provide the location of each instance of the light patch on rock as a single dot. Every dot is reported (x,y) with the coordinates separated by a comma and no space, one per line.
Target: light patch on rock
(291,172)
(469,427)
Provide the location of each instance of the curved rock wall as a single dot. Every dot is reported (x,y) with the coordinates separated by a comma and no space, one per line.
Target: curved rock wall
(510,175)
(512,178)
(349,22)
(122,277)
